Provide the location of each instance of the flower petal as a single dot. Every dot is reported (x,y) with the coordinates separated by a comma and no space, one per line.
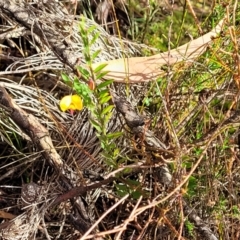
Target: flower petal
(76,103)
(65,103)
(71,102)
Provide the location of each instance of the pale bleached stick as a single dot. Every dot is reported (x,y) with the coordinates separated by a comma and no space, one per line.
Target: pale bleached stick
(145,69)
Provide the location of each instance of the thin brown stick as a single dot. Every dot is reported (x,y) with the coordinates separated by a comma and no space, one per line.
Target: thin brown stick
(104,215)
(77,191)
(129,219)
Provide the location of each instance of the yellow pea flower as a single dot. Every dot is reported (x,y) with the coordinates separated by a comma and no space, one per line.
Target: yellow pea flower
(71,103)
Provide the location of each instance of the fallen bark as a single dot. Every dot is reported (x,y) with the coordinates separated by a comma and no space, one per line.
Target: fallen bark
(145,69)
(31,126)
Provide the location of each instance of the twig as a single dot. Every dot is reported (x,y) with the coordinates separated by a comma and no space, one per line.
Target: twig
(77,191)
(194,16)
(104,215)
(129,219)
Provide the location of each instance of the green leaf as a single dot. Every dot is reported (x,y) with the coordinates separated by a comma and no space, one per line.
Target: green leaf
(133,183)
(77,86)
(81,31)
(95,54)
(136,194)
(96,125)
(103,94)
(114,135)
(105,155)
(107,118)
(116,152)
(65,78)
(192,186)
(94,39)
(84,72)
(107,109)
(91,29)
(122,190)
(87,59)
(147,101)
(85,44)
(102,74)
(105,99)
(82,27)
(104,84)
(100,67)
(190,227)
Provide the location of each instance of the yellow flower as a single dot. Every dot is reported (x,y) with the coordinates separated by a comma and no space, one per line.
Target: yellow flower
(71,103)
